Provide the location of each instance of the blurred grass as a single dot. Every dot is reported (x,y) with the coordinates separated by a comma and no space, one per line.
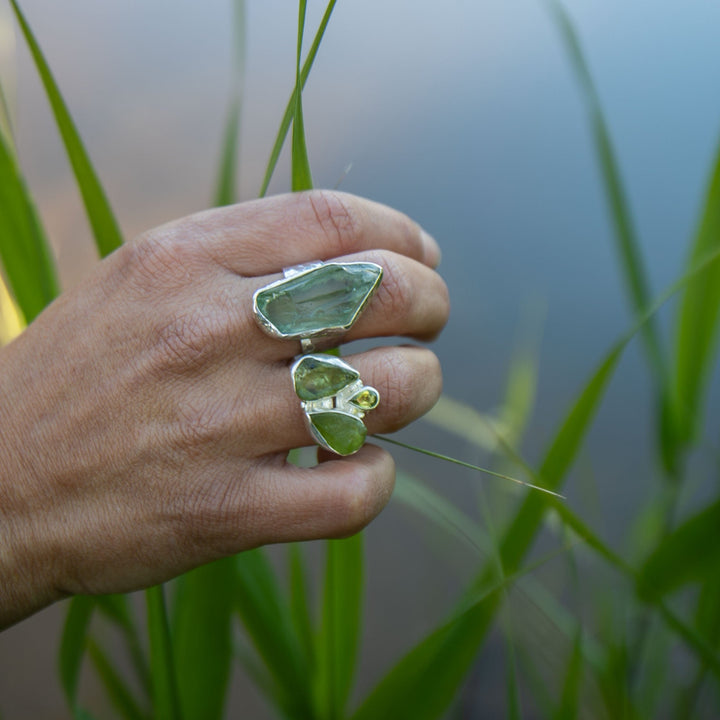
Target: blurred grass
(305,664)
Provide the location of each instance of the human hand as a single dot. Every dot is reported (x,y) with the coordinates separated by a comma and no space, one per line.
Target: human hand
(146,419)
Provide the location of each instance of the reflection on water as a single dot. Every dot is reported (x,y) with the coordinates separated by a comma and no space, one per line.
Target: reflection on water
(466,116)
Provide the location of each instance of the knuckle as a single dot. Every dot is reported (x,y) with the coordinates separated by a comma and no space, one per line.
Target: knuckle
(336,218)
(199,427)
(167,257)
(188,340)
(396,293)
(396,377)
(359,501)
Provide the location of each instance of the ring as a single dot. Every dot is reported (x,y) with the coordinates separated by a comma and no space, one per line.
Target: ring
(316,302)
(334,400)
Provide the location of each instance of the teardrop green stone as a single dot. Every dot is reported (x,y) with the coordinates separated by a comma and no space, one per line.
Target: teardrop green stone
(345,434)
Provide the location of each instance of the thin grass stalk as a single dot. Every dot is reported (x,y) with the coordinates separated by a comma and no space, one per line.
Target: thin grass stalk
(290,108)
(166,701)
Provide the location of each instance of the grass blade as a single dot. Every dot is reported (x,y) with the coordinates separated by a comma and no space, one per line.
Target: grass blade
(697,321)
(166,704)
(120,695)
(11,320)
(627,243)
(341,622)
(266,617)
(299,605)
(226,184)
(73,645)
(102,221)
(422,685)
(24,248)
(301,175)
(684,556)
(202,638)
(570,696)
(290,108)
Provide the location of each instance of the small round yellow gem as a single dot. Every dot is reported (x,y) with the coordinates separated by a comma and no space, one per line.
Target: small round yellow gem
(366,399)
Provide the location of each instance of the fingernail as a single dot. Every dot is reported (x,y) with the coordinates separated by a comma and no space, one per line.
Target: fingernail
(432,250)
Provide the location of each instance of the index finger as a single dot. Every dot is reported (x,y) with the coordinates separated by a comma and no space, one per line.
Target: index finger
(261,237)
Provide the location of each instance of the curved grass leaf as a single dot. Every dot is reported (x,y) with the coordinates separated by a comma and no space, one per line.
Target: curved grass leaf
(423,684)
(267,619)
(202,638)
(166,703)
(102,221)
(225,188)
(117,609)
(341,621)
(627,242)
(290,108)
(689,554)
(299,604)
(300,170)
(570,696)
(697,321)
(117,690)
(73,645)
(24,248)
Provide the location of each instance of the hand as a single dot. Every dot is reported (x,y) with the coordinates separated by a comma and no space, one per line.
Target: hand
(146,419)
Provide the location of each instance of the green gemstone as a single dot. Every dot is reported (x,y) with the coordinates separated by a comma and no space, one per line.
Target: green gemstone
(329,296)
(315,378)
(345,434)
(366,399)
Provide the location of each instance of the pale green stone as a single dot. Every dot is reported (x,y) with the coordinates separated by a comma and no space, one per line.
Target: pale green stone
(343,433)
(329,296)
(315,378)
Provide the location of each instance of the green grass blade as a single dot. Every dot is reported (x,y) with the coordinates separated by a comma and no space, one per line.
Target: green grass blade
(24,249)
(267,619)
(627,243)
(117,690)
(697,321)
(166,703)
(118,610)
(102,221)
(300,170)
(290,108)
(570,696)
(423,683)
(73,645)
(687,555)
(341,622)
(226,183)
(202,638)
(299,603)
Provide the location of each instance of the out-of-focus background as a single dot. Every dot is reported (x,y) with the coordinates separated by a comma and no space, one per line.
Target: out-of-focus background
(466,115)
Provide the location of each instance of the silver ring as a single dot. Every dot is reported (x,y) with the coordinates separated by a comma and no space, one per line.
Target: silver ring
(317,302)
(334,400)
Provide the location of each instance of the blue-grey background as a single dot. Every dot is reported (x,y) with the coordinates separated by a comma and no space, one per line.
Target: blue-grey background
(467,116)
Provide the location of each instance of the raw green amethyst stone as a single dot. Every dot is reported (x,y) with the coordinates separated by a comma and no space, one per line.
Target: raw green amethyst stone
(314,378)
(329,296)
(345,434)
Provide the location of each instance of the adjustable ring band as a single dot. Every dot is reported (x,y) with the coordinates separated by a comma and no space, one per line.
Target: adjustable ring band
(316,303)
(334,400)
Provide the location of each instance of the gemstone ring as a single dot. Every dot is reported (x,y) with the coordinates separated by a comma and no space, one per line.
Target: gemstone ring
(316,303)
(334,400)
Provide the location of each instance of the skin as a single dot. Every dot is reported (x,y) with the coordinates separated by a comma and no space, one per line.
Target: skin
(145,419)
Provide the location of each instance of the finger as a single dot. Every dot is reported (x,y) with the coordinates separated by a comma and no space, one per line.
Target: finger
(411,301)
(270,418)
(334,499)
(264,236)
